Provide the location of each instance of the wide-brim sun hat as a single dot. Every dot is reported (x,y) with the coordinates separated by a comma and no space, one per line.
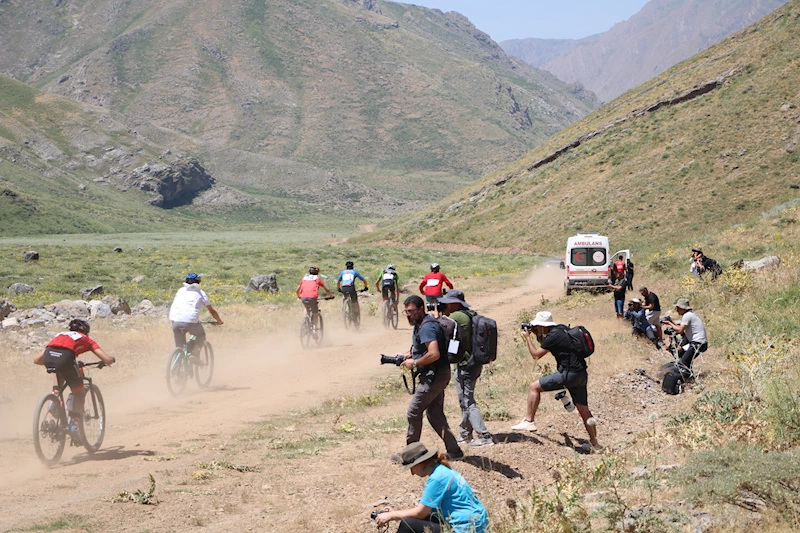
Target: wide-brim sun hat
(414,454)
(543,318)
(454,296)
(683,303)
(636,300)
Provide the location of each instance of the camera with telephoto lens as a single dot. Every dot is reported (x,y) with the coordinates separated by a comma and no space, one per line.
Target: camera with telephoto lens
(374,514)
(396,360)
(526,326)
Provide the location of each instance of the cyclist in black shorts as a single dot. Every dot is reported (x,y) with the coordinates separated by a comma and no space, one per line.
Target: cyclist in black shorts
(387,283)
(346,284)
(571,373)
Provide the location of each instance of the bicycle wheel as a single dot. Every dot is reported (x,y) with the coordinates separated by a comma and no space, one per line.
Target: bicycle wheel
(93,426)
(346,313)
(49,433)
(176,372)
(204,370)
(387,314)
(306,332)
(395,315)
(318,333)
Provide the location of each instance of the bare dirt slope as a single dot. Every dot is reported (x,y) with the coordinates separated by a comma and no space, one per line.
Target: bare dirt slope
(305,479)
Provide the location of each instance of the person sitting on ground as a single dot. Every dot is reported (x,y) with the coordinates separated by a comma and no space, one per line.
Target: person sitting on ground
(61,355)
(387,283)
(571,373)
(619,285)
(308,292)
(695,339)
(652,310)
(706,264)
(432,285)
(636,314)
(466,373)
(184,313)
(346,284)
(447,497)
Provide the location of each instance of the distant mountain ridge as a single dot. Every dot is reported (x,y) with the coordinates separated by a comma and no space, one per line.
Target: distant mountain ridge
(663,33)
(408,101)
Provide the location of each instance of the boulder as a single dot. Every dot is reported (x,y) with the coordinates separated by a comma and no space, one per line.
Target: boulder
(10,323)
(20,288)
(70,309)
(118,305)
(31,256)
(99,309)
(266,282)
(770,260)
(138,279)
(118,250)
(6,308)
(44,314)
(171,184)
(144,307)
(88,292)
(29,322)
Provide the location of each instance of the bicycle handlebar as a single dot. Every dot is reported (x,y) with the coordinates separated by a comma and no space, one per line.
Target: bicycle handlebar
(98,364)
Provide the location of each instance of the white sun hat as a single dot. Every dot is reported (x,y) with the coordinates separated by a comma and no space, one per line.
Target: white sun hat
(543,318)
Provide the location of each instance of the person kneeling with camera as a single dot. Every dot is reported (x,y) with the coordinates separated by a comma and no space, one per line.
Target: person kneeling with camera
(641,326)
(446,499)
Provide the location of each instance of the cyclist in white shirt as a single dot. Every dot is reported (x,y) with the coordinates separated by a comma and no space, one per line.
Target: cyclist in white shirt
(185,312)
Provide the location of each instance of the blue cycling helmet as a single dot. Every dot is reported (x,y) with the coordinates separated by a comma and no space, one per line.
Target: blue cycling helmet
(192,278)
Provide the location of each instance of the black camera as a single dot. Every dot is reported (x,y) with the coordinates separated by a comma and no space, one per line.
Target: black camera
(665,319)
(396,360)
(435,306)
(374,514)
(526,326)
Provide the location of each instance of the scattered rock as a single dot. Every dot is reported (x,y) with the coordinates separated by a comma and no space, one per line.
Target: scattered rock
(69,309)
(138,279)
(139,249)
(143,307)
(10,323)
(99,309)
(21,288)
(118,250)
(267,282)
(770,260)
(118,305)
(88,292)
(31,256)
(82,187)
(6,308)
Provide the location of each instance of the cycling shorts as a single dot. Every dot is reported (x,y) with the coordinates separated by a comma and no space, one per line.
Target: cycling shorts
(63,361)
(180,329)
(388,289)
(572,380)
(350,292)
(311,305)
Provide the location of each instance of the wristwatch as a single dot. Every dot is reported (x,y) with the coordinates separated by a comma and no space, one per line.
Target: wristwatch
(414,365)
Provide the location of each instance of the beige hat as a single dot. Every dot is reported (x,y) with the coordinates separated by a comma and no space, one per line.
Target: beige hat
(683,303)
(543,318)
(414,454)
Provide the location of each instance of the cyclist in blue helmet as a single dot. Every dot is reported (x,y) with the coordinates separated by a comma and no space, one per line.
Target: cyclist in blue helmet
(185,312)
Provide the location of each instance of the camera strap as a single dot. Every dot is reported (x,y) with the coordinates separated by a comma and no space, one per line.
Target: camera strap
(413,388)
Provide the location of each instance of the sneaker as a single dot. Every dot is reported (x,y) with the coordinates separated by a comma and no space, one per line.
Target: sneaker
(588,448)
(461,439)
(483,441)
(455,456)
(525,425)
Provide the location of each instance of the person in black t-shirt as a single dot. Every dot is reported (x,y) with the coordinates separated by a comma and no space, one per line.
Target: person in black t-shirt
(570,373)
(630,274)
(619,286)
(652,311)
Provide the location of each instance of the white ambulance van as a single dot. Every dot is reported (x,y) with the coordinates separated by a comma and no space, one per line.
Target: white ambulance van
(587,262)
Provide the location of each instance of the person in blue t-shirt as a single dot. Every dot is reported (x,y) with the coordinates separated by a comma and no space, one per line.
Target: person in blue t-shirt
(446,499)
(346,284)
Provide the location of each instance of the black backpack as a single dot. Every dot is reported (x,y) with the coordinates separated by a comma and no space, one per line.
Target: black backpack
(673,381)
(582,342)
(453,334)
(484,339)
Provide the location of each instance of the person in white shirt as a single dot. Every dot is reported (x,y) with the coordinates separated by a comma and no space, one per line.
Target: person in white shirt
(695,340)
(185,312)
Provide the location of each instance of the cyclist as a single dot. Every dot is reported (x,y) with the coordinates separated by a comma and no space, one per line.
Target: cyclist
(346,284)
(308,292)
(185,314)
(432,285)
(387,283)
(61,354)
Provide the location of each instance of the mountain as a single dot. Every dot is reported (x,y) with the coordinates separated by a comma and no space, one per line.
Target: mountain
(663,33)
(406,101)
(710,143)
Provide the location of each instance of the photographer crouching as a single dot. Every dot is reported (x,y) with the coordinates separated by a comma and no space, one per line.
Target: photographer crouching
(447,498)
(427,359)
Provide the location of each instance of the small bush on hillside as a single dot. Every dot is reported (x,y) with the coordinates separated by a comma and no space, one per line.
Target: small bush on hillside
(782,409)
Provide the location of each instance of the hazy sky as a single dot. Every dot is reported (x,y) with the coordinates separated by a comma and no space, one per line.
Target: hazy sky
(547,19)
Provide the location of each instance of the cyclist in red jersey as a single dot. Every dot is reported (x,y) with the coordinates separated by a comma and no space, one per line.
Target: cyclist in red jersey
(308,292)
(433,284)
(61,354)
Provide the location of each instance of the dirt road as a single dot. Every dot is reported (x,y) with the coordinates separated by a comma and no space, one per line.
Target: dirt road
(256,376)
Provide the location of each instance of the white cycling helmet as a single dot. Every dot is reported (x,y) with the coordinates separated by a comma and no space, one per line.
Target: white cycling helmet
(435,267)
(390,267)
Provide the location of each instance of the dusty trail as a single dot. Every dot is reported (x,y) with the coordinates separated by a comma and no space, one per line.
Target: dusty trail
(254,377)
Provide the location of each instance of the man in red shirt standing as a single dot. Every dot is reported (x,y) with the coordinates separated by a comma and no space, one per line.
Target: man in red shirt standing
(61,354)
(432,284)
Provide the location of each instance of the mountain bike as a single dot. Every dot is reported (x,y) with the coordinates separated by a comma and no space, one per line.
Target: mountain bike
(308,331)
(181,367)
(390,314)
(350,316)
(51,420)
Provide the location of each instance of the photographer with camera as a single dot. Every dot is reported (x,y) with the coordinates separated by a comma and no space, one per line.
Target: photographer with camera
(638,317)
(652,310)
(427,359)
(571,373)
(447,497)
(467,372)
(695,340)
(619,285)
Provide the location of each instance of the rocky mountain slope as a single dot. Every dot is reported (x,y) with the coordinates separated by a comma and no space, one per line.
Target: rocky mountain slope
(710,143)
(663,33)
(275,90)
